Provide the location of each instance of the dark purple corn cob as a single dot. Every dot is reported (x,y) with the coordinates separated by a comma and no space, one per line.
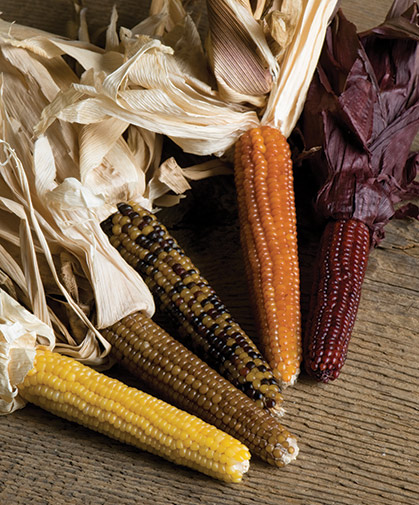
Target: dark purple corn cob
(201,319)
(339,273)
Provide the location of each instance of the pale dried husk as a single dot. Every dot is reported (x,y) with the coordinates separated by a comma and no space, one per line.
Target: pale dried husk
(57,188)
(20,333)
(163,88)
(31,264)
(299,61)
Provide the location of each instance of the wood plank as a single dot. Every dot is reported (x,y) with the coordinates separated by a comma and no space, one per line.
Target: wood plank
(358,436)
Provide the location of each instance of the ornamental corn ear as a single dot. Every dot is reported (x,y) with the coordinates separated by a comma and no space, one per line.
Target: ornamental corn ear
(181,378)
(184,294)
(339,273)
(264,185)
(76,392)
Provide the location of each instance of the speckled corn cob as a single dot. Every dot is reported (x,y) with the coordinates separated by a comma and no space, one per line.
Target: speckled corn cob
(181,378)
(268,228)
(201,318)
(74,391)
(338,277)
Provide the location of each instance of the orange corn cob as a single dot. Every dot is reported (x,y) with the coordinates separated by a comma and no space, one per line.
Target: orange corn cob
(339,273)
(264,183)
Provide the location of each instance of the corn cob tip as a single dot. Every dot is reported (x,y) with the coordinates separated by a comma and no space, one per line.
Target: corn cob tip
(291,380)
(240,468)
(278,411)
(320,375)
(282,451)
(292,452)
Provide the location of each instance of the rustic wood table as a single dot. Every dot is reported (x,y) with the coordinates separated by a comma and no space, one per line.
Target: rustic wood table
(359,440)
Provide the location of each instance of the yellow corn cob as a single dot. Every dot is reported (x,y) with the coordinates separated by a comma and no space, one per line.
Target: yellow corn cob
(76,392)
(175,374)
(264,184)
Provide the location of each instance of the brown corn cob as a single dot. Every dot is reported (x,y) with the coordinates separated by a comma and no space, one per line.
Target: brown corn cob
(65,387)
(181,378)
(265,194)
(199,315)
(339,273)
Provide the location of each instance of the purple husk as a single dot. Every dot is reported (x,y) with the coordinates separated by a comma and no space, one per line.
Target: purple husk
(363,109)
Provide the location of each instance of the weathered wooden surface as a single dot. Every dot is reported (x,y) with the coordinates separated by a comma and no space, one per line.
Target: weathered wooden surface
(358,436)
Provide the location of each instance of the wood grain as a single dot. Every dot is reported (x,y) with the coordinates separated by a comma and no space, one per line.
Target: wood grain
(358,436)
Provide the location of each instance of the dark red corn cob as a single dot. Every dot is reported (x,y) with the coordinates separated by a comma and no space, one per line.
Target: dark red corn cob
(339,273)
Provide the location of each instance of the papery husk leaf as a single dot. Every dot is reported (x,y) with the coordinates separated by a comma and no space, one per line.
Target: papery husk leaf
(95,142)
(107,165)
(254,31)
(33,286)
(12,270)
(171,12)
(50,47)
(145,146)
(21,105)
(20,331)
(280,23)
(401,8)
(171,23)
(83,31)
(185,40)
(112,39)
(6,283)
(99,273)
(29,220)
(79,230)
(48,175)
(176,104)
(206,169)
(168,175)
(289,91)
(77,170)
(152,89)
(20,31)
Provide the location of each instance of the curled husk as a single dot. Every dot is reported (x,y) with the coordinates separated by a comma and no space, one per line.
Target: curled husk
(363,110)
(162,84)
(20,333)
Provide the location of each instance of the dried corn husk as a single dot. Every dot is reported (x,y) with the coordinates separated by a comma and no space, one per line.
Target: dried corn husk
(56,188)
(163,88)
(20,332)
(32,265)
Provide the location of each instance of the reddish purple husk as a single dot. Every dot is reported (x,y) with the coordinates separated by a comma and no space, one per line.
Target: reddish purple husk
(362,110)
(339,273)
